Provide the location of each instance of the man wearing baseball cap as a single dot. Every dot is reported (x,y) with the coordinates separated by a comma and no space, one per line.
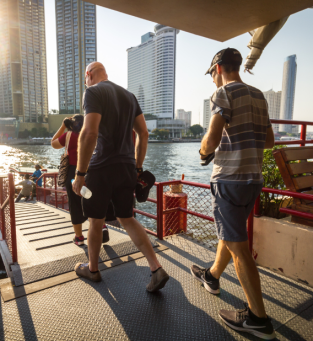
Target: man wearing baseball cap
(239,131)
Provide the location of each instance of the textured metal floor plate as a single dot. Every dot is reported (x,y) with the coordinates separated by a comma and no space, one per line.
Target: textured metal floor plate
(46,249)
(119,308)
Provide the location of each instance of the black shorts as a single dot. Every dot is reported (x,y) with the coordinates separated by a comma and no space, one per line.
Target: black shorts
(115,182)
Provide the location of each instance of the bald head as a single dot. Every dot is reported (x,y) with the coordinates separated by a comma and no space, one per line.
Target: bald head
(95,73)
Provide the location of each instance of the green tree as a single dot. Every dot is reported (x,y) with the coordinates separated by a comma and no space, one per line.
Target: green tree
(196,130)
(34,132)
(271,203)
(156,132)
(42,132)
(149,117)
(164,133)
(24,134)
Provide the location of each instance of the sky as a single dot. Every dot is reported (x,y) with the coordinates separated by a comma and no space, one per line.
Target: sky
(116,32)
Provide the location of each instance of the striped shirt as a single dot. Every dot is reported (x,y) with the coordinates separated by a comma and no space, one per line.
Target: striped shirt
(238,158)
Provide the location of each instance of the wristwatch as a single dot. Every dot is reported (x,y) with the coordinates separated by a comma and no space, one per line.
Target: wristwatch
(78,173)
(139,170)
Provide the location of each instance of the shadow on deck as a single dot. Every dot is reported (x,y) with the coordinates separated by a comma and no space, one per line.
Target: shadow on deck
(65,307)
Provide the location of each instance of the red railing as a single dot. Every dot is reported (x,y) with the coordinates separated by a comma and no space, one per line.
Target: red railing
(7,213)
(256,212)
(51,195)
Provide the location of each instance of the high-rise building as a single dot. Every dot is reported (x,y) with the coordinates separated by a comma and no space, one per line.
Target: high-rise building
(288,92)
(273,101)
(151,71)
(76,48)
(181,114)
(206,113)
(23,67)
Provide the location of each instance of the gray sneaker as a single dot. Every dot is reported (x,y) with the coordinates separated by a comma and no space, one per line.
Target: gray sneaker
(82,270)
(158,280)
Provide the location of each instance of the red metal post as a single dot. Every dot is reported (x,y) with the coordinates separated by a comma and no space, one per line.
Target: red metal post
(257,207)
(303,134)
(160,211)
(44,195)
(44,181)
(63,202)
(2,217)
(12,217)
(55,188)
(250,231)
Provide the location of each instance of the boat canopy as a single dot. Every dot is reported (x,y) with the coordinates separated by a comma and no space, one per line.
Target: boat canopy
(215,19)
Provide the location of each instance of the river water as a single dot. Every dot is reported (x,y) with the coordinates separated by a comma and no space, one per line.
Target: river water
(167,161)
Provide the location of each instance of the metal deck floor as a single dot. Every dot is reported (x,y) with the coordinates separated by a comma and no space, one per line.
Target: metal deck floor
(45,243)
(119,308)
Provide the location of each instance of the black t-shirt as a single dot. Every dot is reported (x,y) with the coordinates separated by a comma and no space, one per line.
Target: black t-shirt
(118,108)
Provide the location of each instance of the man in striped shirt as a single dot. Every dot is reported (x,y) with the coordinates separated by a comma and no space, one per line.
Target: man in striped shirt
(239,131)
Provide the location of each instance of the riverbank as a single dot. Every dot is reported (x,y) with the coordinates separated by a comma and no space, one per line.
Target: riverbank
(175,141)
(24,142)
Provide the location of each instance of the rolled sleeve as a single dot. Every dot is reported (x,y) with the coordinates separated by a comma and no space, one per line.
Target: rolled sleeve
(220,104)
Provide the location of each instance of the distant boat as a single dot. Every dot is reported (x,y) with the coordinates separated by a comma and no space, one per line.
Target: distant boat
(289,138)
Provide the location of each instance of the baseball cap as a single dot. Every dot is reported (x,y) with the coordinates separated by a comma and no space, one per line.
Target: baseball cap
(144,183)
(226,56)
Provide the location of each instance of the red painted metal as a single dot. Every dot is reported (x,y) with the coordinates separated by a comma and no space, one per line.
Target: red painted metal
(293,122)
(160,211)
(152,233)
(288,193)
(12,216)
(195,184)
(152,216)
(250,230)
(303,134)
(176,222)
(257,207)
(301,142)
(297,213)
(2,217)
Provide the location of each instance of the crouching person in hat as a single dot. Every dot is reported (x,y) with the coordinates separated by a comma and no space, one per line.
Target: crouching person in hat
(239,131)
(106,150)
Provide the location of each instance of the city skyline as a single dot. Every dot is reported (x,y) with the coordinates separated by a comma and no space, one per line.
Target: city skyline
(76,48)
(194,55)
(151,71)
(23,67)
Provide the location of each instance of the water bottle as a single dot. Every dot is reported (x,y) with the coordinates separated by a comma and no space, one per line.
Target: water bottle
(85,192)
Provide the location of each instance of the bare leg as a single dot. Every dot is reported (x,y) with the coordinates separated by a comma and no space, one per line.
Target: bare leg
(78,229)
(94,242)
(139,236)
(248,276)
(222,258)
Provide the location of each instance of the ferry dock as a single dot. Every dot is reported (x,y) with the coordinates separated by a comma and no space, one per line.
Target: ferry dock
(45,300)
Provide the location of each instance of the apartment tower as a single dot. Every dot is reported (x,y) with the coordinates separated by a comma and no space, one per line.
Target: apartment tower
(288,92)
(23,66)
(273,101)
(151,71)
(206,113)
(181,114)
(76,48)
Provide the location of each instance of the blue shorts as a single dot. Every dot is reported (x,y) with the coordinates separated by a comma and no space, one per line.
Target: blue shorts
(232,204)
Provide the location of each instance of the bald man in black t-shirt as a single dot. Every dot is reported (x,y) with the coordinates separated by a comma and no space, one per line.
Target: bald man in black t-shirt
(106,150)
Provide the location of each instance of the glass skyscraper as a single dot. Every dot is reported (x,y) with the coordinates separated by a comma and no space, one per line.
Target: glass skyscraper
(76,48)
(288,92)
(151,71)
(23,67)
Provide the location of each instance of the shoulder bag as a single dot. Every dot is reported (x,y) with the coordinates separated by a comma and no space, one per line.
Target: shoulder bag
(64,163)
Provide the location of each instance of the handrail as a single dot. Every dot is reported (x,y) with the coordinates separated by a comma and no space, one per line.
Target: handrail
(10,218)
